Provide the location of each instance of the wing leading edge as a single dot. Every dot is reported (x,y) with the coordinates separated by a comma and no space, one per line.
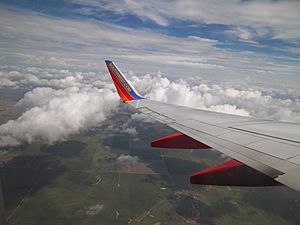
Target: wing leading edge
(261,149)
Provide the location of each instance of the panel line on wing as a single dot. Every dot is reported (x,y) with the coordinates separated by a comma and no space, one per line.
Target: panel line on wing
(266,135)
(207,139)
(160,117)
(263,155)
(216,131)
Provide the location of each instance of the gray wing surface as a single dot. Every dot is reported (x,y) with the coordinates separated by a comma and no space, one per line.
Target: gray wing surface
(270,147)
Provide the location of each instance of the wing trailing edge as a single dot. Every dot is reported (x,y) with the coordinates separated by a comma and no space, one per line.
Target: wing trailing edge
(233,173)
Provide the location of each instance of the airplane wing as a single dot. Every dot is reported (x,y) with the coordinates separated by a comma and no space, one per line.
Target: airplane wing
(263,152)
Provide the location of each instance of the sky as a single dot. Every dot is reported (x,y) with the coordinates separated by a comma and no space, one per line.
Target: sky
(237,57)
(221,40)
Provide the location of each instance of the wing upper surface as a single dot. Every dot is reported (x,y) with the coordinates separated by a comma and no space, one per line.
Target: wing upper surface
(272,148)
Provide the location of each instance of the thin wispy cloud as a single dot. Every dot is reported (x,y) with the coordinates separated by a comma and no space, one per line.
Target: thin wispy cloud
(281,17)
(35,39)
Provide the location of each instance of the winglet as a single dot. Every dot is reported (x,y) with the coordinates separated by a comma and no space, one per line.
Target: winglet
(125,90)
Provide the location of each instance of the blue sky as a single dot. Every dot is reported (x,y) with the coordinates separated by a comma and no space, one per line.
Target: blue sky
(231,39)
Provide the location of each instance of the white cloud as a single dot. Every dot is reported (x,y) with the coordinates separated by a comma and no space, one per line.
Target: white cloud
(72,100)
(127,159)
(94,209)
(50,115)
(125,128)
(230,109)
(18,77)
(87,43)
(144,11)
(281,16)
(240,101)
(129,130)
(6,82)
(243,34)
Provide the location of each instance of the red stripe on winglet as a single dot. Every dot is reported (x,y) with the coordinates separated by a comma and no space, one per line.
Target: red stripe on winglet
(123,93)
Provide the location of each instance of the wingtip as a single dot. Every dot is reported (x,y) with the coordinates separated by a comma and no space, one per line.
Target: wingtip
(125,90)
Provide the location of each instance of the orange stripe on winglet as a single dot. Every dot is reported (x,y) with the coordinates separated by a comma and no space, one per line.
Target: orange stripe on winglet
(123,93)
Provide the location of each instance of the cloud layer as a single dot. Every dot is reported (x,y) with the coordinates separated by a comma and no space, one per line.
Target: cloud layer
(282,17)
(62,102)
(221,98)
(35,39)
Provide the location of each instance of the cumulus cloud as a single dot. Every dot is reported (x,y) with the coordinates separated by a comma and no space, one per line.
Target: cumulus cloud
(70,105)
(125,128)
(51,115)
(129,130)
(240,101)
(94,209)
(30,77)
(127,159)
(6,83)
